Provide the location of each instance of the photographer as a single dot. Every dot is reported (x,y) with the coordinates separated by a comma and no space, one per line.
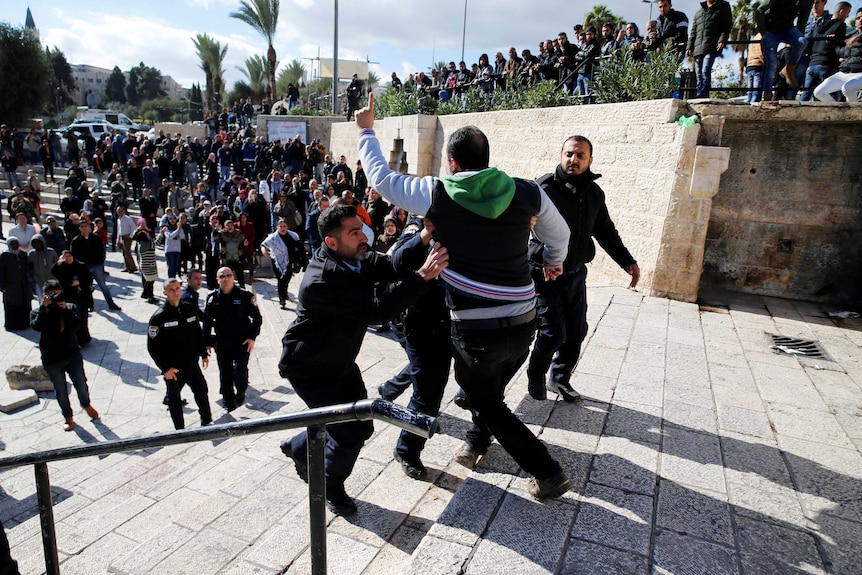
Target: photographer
(58,321)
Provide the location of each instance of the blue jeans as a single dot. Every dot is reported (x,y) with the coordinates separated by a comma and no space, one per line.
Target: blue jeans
(815,76)
(485,362)
(224,173)
(173,261)
(770,43)
(98,272)
(584,88)
(755,79)
(12,178)
(57,371)
(703,68)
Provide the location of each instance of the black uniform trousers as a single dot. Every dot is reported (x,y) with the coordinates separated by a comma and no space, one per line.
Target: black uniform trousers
(562,310)
(343,440)
(188,375)
(485,362)
(430,353)
(232,358)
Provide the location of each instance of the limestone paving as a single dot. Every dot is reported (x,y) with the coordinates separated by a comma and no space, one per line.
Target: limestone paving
(696,449)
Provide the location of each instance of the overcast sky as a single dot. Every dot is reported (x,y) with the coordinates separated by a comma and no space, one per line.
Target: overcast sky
(403,36)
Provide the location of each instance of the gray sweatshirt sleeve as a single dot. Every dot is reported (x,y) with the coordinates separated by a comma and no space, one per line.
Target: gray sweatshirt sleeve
(408,192)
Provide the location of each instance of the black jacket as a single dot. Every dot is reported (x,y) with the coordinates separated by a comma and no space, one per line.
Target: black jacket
(673,28)
(336,306)
(232,317)
(58,329)
(711,27)
(583,207)
(825,52)
(89,250)
(174,337)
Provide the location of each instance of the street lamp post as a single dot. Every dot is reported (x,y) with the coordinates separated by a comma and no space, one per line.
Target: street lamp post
(464,31)
(335,65)
(650,2)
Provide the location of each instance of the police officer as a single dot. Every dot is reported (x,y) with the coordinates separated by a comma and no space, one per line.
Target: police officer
(231,323)
(175,342)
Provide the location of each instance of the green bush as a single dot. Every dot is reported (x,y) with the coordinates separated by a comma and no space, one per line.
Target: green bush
(518,95)
(621,78)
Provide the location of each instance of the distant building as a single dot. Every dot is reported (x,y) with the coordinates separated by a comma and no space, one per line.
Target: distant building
(93,79)
(30,24)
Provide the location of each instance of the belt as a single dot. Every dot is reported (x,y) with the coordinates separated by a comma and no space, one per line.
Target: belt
(496,322)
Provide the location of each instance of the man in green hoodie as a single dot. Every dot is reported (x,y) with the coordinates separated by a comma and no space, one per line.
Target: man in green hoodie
(484,218)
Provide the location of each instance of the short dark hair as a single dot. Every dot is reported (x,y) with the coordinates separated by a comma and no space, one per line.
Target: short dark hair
(469,147)
(330,220)
(52,285)
(581,139)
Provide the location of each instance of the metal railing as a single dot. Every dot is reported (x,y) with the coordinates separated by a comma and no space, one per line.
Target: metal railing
(315,420)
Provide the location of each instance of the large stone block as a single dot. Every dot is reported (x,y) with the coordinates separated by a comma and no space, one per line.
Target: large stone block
(29,377)
(13,399)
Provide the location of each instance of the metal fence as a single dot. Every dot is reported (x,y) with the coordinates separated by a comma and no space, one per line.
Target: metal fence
(315,420)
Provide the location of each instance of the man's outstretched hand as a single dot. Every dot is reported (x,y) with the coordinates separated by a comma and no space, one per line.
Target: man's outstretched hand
(365,116)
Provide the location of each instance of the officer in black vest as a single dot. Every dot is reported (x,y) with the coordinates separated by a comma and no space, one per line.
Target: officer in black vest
(563,303)
(175,342)
(232,322)
(483,217)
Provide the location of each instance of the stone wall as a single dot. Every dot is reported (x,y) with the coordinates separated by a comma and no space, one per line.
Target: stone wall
(658,181)
(787,220)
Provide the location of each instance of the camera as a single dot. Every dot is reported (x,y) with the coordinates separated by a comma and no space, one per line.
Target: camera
(56,298)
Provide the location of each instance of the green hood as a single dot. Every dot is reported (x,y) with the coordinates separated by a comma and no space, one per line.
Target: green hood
(487,193)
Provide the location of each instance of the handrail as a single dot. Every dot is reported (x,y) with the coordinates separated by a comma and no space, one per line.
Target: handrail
(314,419)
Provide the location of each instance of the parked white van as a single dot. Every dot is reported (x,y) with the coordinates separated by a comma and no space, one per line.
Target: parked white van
(120,121)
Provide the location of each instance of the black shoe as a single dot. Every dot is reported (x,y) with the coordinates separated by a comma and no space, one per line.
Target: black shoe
(461,400)
(338,501)
(536,387)
(564,390)
(389,391)
(240,399)
(114,307)
(412,466)
(549,488)
(300,463)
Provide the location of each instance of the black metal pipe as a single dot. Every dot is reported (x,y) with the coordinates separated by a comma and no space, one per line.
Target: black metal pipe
(317,498)
(46,517)
(413,422)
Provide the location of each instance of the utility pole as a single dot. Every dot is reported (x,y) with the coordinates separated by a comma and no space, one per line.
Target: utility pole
(335,65)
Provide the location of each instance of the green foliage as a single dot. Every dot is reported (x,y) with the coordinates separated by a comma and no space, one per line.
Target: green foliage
(196,103)
(256,72)
(724,76)
(24,74)
(600,15)
(262,16)
(517,96)
(62,76)
(290,74)
(212,55)
(160,110)
(624,79)
(115,87)
(240,90)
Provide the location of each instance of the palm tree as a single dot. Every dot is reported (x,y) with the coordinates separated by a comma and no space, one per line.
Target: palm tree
(293,73)
(257,72)
(262,15)
(373,80)
(600,15)
(743,29)
(212,54)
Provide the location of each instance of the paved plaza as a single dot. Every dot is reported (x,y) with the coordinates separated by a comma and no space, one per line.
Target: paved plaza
(697,449)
